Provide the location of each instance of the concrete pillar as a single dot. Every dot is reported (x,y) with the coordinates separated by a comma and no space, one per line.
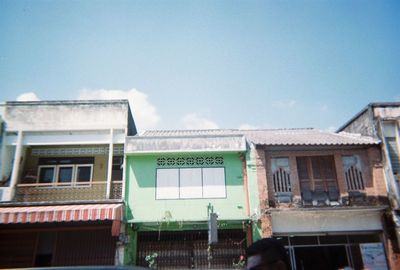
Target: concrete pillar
(16,164)
(110,163)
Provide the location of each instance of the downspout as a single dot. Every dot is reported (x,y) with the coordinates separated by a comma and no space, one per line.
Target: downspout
(249,231)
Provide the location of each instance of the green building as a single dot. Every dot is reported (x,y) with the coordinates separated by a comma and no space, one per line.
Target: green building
(174,181)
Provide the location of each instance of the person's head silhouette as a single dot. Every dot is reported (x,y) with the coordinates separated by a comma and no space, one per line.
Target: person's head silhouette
(267,254)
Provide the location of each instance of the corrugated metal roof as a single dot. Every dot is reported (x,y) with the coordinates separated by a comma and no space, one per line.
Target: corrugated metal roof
(276,137)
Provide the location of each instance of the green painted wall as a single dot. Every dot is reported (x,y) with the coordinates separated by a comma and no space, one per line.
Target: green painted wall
(142,205)
(130,250)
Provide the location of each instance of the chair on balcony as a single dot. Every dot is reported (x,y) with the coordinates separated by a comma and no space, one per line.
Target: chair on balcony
(283,197)
(306,197)
(357,196)
(320,197)
(333,196)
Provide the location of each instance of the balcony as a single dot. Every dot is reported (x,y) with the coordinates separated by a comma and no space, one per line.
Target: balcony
(58,192)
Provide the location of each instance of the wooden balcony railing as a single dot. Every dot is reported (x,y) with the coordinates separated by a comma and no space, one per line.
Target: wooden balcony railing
(40,192)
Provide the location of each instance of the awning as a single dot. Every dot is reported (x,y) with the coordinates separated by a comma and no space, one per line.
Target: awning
(60,213)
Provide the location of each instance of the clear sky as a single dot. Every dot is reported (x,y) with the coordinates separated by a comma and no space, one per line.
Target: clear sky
(206,64)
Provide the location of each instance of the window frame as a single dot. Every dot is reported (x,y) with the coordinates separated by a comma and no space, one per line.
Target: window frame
(179,183)
(74,183)
(311,179)
(47,166)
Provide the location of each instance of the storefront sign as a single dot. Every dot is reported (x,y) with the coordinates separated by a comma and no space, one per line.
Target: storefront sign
(373,256)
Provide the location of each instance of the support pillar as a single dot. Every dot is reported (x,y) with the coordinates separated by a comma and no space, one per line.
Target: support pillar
(16,164)
(110,163)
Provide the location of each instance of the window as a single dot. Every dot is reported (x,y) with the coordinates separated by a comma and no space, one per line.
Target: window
(190,183)
(83,173)
(46,174)
(317,173)
(317,177)
(393,152)
(65,171)
(116,174)
(353,173)
(281,174)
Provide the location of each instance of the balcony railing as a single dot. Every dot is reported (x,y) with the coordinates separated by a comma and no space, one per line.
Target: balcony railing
(41,192)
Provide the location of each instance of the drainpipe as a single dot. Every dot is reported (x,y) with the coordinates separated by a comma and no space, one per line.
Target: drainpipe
(110,162)
(16,164)
(249,232)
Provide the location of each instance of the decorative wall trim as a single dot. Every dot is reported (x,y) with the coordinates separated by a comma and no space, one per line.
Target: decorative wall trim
(76,151)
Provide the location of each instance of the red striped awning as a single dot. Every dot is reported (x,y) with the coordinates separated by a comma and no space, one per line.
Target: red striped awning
(60,213)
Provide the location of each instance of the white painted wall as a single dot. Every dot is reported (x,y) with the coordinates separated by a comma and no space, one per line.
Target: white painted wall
(65,115)
(68,137)
(326,221)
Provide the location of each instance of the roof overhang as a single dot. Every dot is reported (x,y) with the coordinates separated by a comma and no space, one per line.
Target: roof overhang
(180,144)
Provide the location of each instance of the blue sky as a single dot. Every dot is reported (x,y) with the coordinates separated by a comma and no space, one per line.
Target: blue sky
(206,64)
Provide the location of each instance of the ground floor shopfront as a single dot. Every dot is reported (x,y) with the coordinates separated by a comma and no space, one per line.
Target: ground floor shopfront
(332,238)
(186,247)
(335,251)
(67,235)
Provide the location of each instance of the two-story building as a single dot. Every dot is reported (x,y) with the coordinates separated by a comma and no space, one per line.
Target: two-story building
(62,181)
(323,195)
(175,182)
(382,121)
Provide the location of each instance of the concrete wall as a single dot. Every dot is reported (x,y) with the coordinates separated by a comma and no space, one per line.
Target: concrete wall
(66,115)
(143,207)
(363,125)
(387,112)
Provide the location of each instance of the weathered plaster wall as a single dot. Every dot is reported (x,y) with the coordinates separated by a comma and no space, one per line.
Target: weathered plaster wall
(36,116)
(143,207)
(387,112)
(363,125)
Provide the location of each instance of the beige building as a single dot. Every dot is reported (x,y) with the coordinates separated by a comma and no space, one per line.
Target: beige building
(62,181)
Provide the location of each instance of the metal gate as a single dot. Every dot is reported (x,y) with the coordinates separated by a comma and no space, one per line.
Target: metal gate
(188,249)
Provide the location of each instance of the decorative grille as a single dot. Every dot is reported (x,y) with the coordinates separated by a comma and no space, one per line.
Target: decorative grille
(189,161)
(281,180)
(353,173)
(118,150)
(354,179)
(281,174)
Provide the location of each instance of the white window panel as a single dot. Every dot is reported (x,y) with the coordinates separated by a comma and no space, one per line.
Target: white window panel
(190,183)
(167,184)
(214,183)
(47,174)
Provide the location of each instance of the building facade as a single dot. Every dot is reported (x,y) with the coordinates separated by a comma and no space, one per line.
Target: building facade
(382,121)
(62,181)
(322,195)
(177,180)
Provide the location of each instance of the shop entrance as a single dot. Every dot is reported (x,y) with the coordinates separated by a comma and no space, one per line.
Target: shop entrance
(322,257)
(335,251)
(189,249)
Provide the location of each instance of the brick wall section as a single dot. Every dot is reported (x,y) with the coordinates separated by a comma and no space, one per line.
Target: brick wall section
(266,225)
(377,169)
(262,178)
(371,165)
